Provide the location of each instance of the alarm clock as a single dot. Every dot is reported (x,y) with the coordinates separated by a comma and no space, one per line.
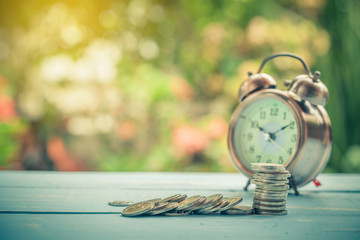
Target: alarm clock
(289,127)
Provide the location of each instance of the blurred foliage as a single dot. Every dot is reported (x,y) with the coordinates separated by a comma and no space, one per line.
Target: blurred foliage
(149,85)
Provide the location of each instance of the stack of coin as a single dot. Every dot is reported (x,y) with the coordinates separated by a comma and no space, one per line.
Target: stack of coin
(181,205)
(272,187)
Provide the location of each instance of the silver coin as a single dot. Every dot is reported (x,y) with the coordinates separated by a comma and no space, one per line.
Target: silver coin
(238,210)
(120,203)
(280,173)
(178,213)
(171,198)
(270,197)
(137,209)
(170,206)
(270,182)
(188,202)
(269,203)
(200,203)
(272,187)
(269,208)
(180,198)
(269,176)
(272,192)
(264,212)
(267,167)
(232,202)
(212,200)
(211,209)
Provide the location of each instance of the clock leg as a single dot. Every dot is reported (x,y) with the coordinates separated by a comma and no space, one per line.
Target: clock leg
(247,185)
(293,185)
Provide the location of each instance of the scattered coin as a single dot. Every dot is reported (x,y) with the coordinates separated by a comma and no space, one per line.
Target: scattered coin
(172,198)
(120,203)
(137,209)
(177,214)
(188,202)
(232,202)
(169,206)
(238,210)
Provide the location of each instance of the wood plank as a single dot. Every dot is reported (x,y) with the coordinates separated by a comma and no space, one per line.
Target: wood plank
(299,224)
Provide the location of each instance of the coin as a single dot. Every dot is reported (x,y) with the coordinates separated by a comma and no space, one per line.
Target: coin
(200,203)
(272,187)
(212,208)
(177,214)
(238,210)
(264,212)
(232,202)
(188,202)
(271,192)
(120,203)
(166,207)
(137,209)
(269,203)
(180,198)
(212,200)
(267,167)
(260,181)
(270,176)
(171,198)
(269,208)
(154,200)
(158,207)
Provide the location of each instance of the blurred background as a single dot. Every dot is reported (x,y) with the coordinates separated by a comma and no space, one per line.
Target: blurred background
(150,85)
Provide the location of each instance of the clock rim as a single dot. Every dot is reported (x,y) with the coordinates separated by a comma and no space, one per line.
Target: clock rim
(287,100)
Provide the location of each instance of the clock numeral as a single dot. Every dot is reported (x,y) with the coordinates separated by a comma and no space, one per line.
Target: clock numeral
(289,151)
(249,136)
(284,117)
(262,115)
(274,111)
(268,161)
(293,138)
(254,124)
(251,149)
(292,125)
(281,160)
(258,158)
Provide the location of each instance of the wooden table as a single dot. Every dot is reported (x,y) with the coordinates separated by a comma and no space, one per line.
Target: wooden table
(74,205)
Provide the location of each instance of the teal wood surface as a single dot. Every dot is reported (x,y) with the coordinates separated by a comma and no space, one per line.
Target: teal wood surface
(69,205)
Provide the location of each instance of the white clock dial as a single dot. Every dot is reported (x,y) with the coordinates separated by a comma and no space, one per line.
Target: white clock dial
(266,131)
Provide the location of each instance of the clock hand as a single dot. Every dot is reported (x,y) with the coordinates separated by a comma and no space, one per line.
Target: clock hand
(282,128)
(277,145)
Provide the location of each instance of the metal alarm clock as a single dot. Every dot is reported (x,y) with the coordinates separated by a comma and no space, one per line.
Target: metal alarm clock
(286,127)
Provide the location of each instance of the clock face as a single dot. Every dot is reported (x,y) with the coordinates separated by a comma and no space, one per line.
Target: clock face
(266,131)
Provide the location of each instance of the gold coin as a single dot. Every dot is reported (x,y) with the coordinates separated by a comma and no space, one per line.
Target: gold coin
(267,181)
(120,203)
(272,187)
(137,209)
(188,202)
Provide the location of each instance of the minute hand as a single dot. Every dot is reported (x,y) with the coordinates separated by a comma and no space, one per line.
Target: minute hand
(282,128)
